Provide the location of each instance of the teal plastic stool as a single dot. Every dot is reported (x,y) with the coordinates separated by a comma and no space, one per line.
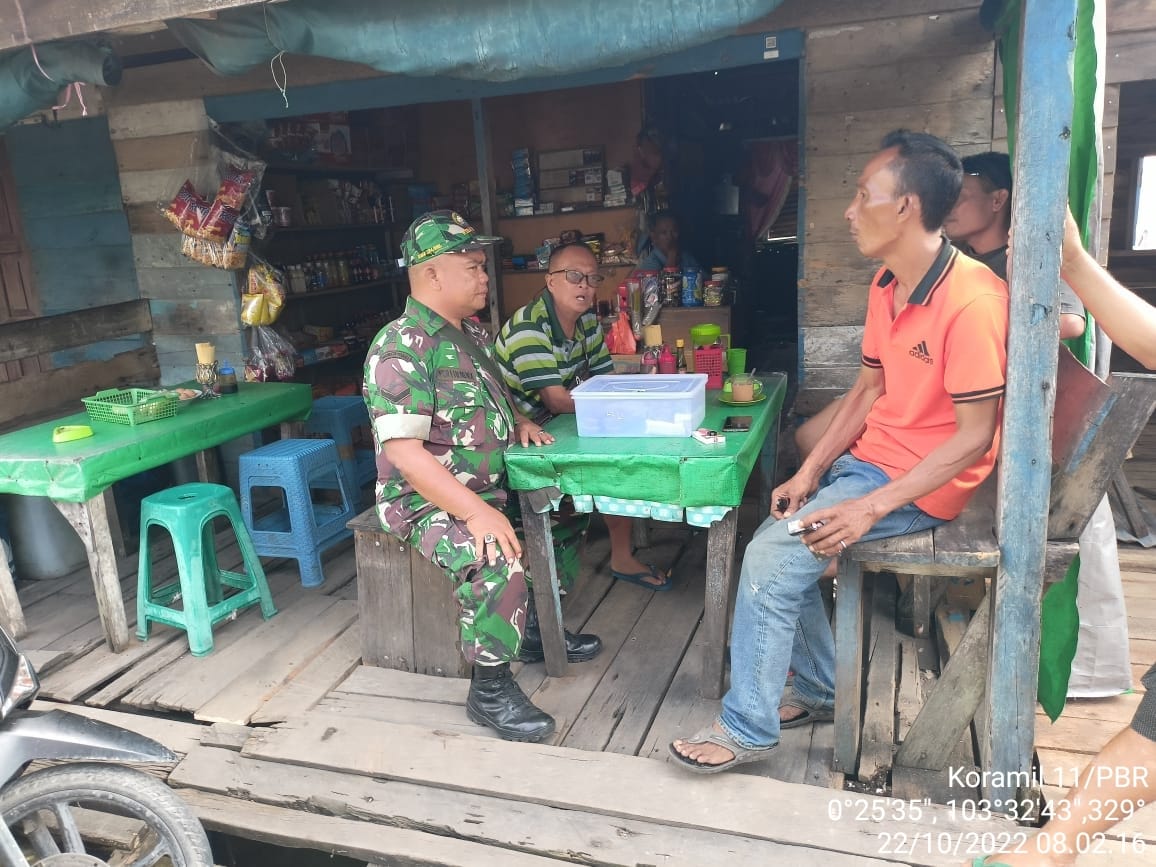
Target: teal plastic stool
(187,513)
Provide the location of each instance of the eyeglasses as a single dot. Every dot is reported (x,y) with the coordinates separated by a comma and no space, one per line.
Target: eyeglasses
(576,277)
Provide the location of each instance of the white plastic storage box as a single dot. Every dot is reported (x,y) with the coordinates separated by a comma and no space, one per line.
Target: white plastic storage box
(645,405)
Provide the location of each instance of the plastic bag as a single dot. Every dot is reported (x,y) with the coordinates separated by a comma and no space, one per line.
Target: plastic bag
(231,255)
(262,303)
(271,356)
(620,340)
(183,211)
(235,186)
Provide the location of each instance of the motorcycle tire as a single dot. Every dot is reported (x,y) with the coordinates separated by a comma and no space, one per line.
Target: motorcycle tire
(114,789)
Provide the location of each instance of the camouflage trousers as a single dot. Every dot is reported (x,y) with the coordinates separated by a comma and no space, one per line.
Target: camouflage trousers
(492,599)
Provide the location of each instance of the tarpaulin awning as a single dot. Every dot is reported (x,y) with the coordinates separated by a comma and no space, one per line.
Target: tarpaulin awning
(491,40)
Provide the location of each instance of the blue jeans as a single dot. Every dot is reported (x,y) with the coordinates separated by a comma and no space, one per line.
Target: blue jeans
(780,622)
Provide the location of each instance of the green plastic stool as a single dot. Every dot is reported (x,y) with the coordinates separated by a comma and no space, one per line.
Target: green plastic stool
(187,513)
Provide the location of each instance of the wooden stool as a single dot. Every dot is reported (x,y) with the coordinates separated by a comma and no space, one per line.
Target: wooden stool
(407,610)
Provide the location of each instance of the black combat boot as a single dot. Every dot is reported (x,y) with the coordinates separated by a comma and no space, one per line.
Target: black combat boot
(497,701)
(579,648)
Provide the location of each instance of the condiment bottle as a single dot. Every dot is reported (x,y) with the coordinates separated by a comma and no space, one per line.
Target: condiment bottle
(671,286)
(666,361)
(680,356)
(226,379)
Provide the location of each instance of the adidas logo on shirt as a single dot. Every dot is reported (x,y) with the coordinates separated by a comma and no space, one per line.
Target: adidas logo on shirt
(919,351)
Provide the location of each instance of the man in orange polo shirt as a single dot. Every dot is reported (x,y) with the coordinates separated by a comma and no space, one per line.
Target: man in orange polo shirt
(908,445)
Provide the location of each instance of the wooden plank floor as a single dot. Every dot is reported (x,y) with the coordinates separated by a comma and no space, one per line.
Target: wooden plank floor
(639,694)
(282,679)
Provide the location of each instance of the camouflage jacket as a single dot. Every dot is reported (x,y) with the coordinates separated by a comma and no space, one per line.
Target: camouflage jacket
(420,384)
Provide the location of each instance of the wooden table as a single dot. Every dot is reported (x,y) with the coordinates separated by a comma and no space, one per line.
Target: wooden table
(78,476)
(666,472)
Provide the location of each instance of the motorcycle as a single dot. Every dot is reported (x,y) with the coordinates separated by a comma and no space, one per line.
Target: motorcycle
(48,814)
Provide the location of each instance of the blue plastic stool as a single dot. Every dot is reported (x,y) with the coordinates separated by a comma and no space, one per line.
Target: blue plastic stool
(300,529)
(338,417)
(187,513)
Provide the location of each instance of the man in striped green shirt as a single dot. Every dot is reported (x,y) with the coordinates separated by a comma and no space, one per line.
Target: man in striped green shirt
(551,345)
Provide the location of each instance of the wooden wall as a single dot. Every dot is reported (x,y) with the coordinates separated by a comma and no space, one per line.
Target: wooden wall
(446,145)
(869,68)
(1136,138)
(158,144)
(74,224)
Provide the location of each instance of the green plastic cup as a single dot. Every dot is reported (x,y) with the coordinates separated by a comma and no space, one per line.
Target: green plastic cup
(736,361)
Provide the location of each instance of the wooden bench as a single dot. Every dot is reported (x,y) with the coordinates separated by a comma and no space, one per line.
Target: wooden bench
(1094,426)
(407,611)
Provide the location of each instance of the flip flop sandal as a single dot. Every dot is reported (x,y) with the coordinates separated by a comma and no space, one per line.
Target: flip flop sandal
(710,735)
(639,579)
(808,715)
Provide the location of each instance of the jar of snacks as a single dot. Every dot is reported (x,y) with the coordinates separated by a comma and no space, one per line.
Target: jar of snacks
(712,294)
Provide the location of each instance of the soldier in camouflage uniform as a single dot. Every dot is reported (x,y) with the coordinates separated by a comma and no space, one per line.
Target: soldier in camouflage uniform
(442,421)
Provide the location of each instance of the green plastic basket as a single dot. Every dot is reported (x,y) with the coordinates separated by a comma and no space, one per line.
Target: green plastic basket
(131,406)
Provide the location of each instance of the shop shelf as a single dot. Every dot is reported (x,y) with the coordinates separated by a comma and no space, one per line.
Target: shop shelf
(593,209)
(337,290)
(322,170)
(331,227)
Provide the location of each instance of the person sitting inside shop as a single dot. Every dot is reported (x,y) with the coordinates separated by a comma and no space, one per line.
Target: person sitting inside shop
(547,348)
(442,422)
(663,249)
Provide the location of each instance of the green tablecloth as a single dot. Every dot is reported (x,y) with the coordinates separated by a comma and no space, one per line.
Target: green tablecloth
(32,465)
(677,471)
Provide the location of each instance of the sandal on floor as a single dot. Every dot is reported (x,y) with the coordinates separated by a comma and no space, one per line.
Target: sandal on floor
(808,715)
(639,578)
(710,735)
(981,861)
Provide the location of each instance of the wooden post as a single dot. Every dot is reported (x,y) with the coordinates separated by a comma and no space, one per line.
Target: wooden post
(720,560)
(208,466)
(1041,170)
(539,552)
(850,613)
(769,456)
(114,528)
(90,520)
(11,613)
(489,206)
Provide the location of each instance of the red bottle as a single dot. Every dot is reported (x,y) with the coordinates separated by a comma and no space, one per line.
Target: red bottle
(666,361)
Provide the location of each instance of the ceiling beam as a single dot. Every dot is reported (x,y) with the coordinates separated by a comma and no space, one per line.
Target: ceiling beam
(46,20)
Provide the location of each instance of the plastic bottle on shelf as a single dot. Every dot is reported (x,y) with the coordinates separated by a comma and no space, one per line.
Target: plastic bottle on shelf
(680,356)
(666,360)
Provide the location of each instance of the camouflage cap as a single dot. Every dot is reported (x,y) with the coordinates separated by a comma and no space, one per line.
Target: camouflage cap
(440,232)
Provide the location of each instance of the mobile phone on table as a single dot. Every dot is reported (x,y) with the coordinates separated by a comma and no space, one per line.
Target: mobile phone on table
(737,423)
